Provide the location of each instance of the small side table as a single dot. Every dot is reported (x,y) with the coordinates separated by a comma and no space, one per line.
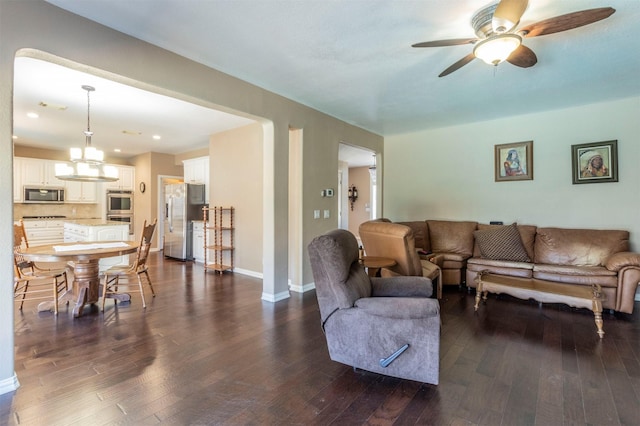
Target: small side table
(374,264)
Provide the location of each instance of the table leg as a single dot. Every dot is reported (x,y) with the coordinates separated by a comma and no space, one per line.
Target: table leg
(478,292)
(86,283)
(597,313)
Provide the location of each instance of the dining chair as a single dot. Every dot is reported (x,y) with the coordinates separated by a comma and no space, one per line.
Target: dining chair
(130,276)
(31,281)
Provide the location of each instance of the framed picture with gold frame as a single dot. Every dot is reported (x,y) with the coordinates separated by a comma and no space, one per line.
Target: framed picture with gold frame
(595,162)
(514,161)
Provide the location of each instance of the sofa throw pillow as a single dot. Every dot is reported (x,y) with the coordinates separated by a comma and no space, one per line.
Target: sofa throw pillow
(502,243)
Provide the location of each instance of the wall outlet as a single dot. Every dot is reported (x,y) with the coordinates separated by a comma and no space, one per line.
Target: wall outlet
(329,192)
(316,214)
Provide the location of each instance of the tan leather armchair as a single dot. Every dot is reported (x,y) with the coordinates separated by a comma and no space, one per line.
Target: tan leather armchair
(395,241)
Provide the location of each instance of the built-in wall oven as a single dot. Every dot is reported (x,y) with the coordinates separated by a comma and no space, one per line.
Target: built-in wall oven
(120,207)
(125,218)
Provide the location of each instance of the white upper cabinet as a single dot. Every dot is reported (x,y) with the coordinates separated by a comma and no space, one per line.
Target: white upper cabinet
(196,170)
(37,172)
(126,179)
(81,192)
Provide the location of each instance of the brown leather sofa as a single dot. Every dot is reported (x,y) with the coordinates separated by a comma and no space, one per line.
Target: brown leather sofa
(563,255)
(450,240)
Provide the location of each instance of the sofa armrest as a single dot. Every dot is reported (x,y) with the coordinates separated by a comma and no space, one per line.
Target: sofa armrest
(401,286)
(622,259)
(399,307)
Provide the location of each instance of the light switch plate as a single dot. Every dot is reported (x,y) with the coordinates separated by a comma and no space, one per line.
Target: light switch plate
(327,214)
(316,214)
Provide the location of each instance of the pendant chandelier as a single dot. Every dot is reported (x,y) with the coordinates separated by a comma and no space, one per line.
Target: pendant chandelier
(87,165)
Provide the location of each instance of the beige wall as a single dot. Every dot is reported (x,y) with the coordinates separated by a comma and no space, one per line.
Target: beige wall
(448,173)
(236,180)
(41,27)
(179,158)
(148,167)
(56,154)
(359,176)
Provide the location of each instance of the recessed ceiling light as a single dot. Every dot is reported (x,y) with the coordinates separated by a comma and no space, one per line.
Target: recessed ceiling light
(117,150)
(14,137)
(131,132)
(32,115)
(50,105)
(156,137)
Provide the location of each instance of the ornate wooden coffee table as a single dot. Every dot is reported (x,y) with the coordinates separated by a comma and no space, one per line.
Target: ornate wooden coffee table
(542,291)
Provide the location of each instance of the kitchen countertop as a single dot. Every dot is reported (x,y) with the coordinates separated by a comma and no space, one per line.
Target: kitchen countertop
(95,222)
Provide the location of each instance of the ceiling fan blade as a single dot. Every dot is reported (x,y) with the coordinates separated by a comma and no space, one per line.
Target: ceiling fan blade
(461,63)
(523,57)
(450,42)
(507,15)
(567,22)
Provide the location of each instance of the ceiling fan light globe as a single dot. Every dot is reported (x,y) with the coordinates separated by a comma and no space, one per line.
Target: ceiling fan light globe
(497,48)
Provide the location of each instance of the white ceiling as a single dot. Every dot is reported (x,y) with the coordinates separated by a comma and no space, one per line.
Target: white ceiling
(353,59)
(122,117)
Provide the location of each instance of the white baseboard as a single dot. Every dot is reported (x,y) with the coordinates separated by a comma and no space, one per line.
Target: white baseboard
(275,297)
(247,272)
(303,288)
(9,384)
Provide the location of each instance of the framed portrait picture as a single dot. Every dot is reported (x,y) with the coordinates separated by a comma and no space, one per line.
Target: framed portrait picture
(595,162)
(514,161)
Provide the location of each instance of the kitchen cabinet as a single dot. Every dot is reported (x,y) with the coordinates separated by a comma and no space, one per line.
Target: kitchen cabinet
(89,230)
(43,231)
(196,170)
(198,241)
(81,192)
(38,172)
(126,179)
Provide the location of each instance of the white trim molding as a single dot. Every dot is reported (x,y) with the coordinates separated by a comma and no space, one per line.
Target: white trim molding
(268,297)
(9,384)
(303,288)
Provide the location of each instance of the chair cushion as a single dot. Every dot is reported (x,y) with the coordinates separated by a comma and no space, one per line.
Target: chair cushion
(337,252)
(502,243)
(399,307)
(420,234)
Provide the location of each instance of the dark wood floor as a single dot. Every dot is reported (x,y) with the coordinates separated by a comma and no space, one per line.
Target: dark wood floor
(207,350)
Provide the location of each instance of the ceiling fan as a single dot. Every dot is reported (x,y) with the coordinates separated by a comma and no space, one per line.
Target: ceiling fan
(499,40)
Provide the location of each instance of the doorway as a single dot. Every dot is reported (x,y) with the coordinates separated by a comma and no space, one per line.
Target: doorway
(359,194)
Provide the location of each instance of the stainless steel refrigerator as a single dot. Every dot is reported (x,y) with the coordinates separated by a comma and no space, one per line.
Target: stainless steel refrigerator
(183,205)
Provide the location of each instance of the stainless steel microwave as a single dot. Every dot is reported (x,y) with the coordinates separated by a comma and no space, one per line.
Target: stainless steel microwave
(43,195)
(119,202)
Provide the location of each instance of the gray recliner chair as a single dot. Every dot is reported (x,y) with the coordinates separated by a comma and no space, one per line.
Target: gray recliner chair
(389,326)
